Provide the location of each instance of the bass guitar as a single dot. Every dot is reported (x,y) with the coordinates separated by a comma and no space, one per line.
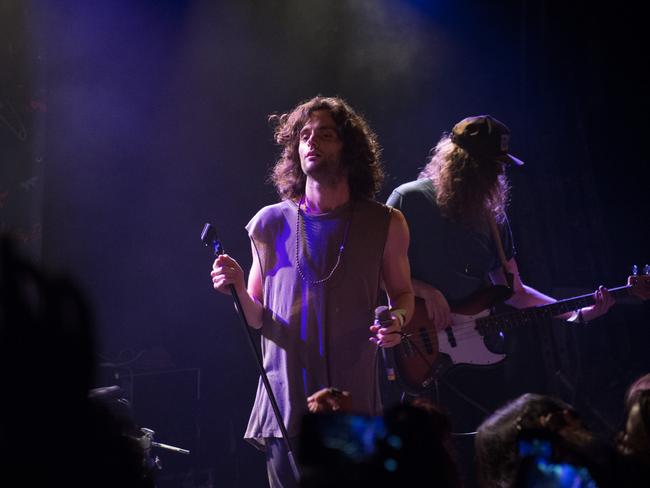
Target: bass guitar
(425,352)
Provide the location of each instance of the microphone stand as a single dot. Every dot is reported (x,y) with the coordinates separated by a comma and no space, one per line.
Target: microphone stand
(209,238)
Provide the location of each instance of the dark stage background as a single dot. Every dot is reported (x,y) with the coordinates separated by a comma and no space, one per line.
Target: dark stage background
(124,126)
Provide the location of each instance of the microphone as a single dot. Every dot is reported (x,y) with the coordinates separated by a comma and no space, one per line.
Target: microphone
(383,318)
(209,238)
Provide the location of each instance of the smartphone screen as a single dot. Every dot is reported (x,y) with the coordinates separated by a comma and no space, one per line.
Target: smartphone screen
(537,468)
(353,438)
(540,473)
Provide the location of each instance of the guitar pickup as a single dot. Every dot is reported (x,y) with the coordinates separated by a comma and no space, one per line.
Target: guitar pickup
(426,340)
(450,336)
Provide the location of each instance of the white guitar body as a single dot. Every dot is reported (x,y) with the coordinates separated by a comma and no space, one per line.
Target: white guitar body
(469,346)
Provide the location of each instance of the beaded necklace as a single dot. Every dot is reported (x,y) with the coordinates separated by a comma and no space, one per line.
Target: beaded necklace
(299,234)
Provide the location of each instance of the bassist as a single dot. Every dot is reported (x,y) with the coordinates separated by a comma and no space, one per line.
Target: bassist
(455,210)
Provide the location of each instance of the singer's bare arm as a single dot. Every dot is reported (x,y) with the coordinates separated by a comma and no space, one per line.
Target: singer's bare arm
(396,275)
(226,271)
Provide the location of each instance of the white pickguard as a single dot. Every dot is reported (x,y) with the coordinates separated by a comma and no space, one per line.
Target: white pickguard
(470,348)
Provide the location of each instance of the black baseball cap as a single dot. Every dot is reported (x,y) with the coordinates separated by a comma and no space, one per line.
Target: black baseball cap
(483,136)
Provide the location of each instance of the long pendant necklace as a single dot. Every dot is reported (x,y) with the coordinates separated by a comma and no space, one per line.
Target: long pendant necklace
(299,234)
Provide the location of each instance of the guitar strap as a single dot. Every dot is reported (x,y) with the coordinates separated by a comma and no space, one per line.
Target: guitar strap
(496,237)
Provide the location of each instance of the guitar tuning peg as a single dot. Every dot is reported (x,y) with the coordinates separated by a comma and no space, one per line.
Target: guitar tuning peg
(646,269)
(635,270)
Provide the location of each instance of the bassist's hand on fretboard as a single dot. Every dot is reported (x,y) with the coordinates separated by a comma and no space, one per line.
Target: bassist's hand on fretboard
(603,301)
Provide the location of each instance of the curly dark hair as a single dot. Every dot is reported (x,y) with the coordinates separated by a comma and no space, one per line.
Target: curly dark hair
(468,189)
(632,394)
(496,437)
(360,153)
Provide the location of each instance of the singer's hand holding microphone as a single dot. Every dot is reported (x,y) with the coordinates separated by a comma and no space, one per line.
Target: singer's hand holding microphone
(387,327)
(225,272)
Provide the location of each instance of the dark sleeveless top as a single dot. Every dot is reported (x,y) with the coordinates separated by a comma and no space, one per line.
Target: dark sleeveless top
(453,258)
(316,335)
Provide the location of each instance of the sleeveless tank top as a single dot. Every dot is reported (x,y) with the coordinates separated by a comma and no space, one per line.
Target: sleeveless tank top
(316,335)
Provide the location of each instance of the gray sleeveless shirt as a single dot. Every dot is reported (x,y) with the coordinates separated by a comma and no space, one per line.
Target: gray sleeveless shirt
(316,335)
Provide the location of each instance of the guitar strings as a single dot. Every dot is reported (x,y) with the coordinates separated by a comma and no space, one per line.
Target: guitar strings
(463,331)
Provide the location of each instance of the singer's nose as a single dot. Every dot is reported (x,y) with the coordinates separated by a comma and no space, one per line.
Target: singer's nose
(312,141)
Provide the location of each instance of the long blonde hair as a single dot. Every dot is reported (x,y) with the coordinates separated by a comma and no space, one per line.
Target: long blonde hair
(468,189)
